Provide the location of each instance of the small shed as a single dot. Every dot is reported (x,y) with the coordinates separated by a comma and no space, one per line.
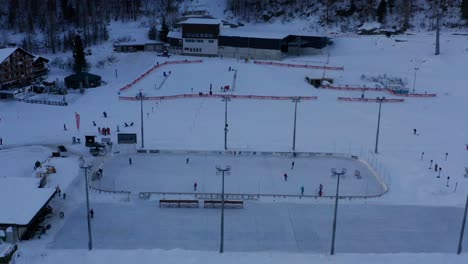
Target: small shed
(83,79)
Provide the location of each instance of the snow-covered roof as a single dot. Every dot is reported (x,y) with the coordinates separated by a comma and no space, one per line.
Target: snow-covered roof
(175,34)
(230,32)
(5,53)
(6,249)
(370,26)
(141,42)
(202,21)
(21,199)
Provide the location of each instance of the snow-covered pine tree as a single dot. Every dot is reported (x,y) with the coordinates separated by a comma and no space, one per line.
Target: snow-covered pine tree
(464,9)
(80,64)
(164,31)
(152,33)
(382,11)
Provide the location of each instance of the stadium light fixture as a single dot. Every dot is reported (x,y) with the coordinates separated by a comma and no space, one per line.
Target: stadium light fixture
(222,171)
(338,174)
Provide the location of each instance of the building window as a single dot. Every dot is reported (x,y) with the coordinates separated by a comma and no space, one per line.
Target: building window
(200,41)
(186,49)
(211,41)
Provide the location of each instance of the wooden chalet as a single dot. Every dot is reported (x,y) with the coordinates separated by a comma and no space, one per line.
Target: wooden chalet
(19,68)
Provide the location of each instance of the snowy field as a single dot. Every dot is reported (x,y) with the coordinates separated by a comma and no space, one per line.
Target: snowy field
(249,174)
(384,224)
(215,72)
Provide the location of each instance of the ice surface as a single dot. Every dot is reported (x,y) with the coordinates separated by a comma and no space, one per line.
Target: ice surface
(249,174)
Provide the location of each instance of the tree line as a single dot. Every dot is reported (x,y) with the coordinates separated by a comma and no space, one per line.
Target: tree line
(53,24)
(343,11)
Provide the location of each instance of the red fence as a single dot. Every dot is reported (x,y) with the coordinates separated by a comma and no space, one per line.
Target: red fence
(180,96)
(375,89)
(128,86)
(300,66)
(369,100)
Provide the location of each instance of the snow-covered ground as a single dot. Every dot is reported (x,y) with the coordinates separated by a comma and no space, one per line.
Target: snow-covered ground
(261,226)
(325,125)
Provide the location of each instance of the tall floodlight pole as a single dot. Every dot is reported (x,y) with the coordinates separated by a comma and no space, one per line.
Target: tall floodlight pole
(338,174)
(140,95)
(460,241)
(378,124)
(295,100)
(225,99)
(222,171)
(414,83)
(90,240)
(437,46)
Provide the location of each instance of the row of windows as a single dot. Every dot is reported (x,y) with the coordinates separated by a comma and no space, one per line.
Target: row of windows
(198,40)
(199,35)
(16,67)
(9,76)
(194,40)
(193,49)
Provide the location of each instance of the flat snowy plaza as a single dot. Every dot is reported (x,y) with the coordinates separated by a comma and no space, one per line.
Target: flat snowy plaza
(392,201)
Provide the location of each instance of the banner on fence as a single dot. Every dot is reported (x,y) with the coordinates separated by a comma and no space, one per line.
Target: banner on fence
(77,119)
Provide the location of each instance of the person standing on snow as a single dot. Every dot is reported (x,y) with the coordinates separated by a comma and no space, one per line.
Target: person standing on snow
(320,192)
(302,190)
(285,175)
(130,161)
(195,186)
(292,165)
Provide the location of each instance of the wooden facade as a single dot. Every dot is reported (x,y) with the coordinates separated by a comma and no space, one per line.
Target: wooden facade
(39,67)
(19,68)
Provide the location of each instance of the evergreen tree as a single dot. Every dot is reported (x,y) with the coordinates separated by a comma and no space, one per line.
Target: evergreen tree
(79,55)
(464,9)
(381,11)
(391,5)
(152,33)
(164,31)
(105,33)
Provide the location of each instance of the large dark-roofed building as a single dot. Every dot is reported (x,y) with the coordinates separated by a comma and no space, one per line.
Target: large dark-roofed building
(275,46)
(205,37)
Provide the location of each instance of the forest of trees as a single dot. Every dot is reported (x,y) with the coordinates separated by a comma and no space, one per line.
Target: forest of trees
(343,11)
(51,25)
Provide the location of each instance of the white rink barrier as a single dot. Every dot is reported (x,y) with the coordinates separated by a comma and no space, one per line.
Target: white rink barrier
(372,165)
